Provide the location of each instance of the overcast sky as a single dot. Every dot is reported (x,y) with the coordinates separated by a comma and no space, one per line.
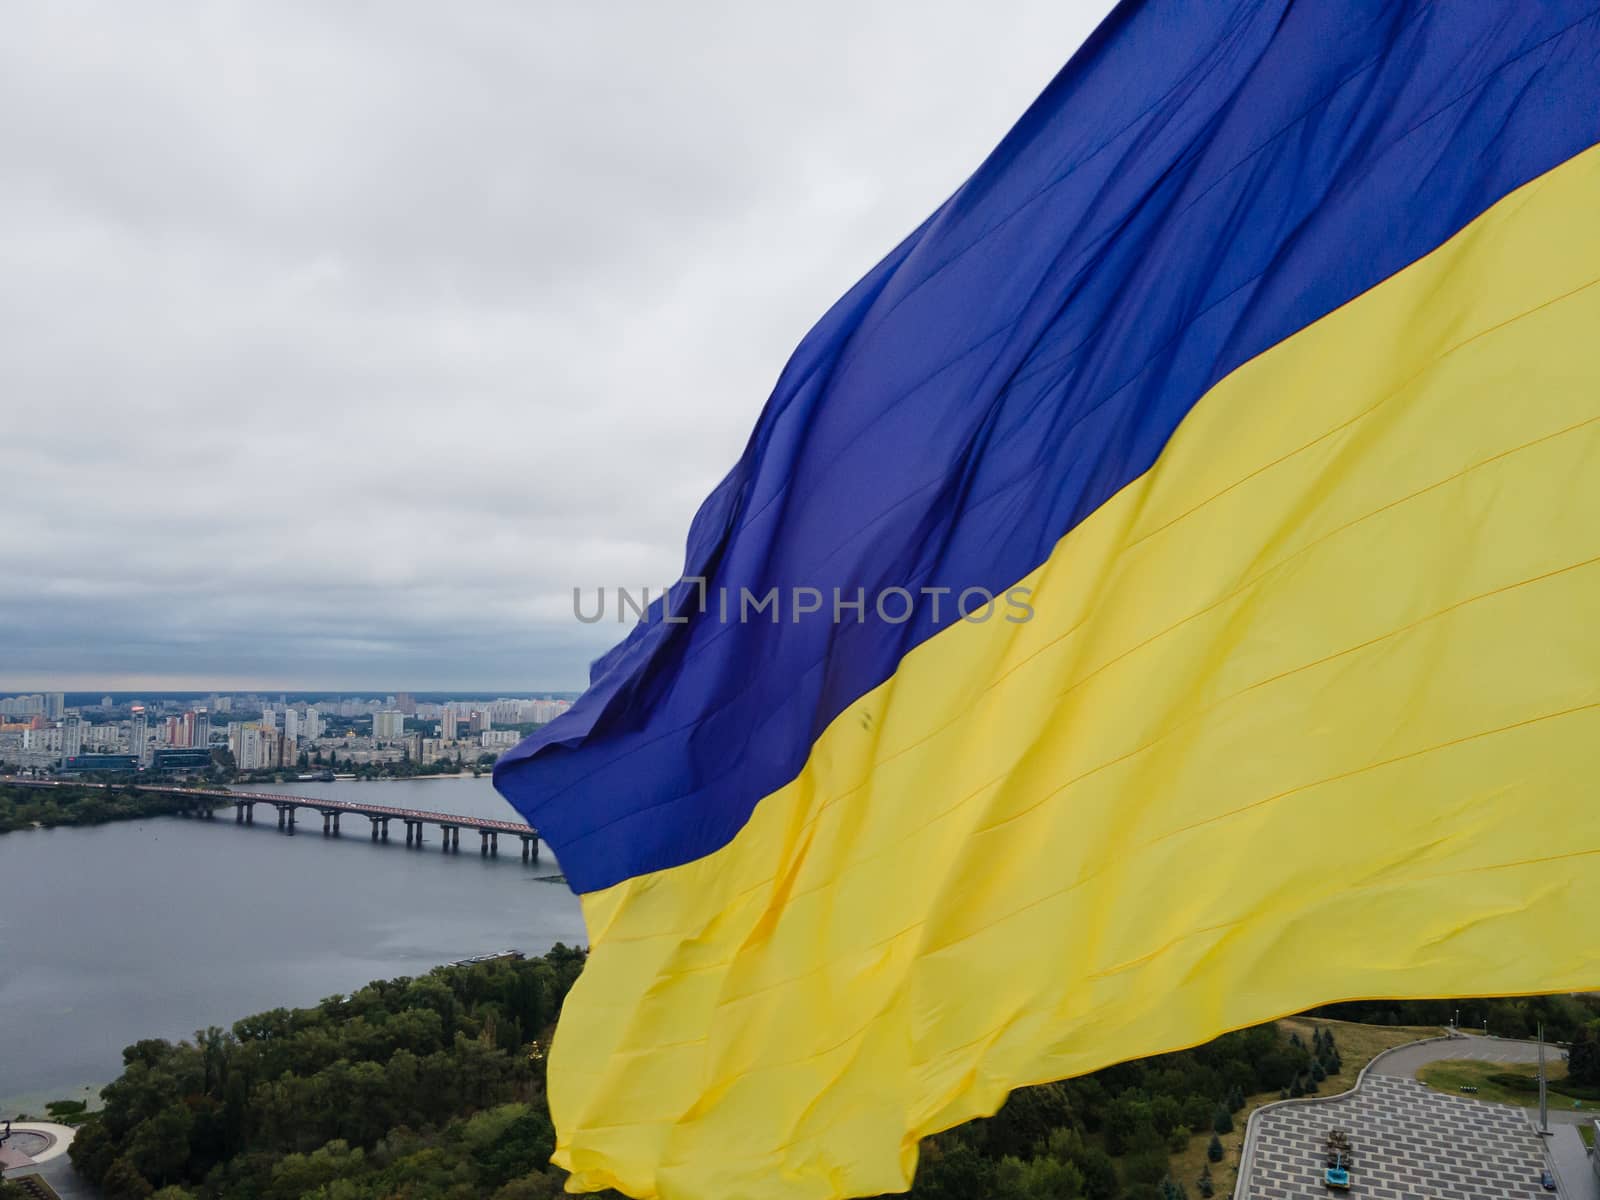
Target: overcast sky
(339,342)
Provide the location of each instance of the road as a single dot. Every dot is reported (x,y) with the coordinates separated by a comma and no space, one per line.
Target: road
(51,1163)
(1569,1158)
(1408,1060)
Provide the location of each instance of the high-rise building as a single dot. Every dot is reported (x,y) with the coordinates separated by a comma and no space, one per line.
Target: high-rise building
(254,746)
(291,725)
(106,702)
(55,705)
(313,728)
(548,710)
(138,735)
(44,740)
(406,703)
(447,723)
(388,725)
(191,731)
(71,737)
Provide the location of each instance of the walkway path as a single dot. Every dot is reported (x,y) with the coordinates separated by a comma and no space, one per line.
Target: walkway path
(1406,1061)
(37,1141)
(44,1143)
(1413,1142)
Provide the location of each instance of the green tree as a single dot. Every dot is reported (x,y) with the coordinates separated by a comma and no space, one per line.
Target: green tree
(953,1172)
(532,1187)
(1583,1059)
(122,1181)
(1146,1165)
(1166,1114)
(1026,1120)
(93,1150)
(1214,1149)
(1222,1121)
(1035,1179)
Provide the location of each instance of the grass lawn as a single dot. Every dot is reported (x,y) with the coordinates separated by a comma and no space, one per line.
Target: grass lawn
(1452,1073)
(1358,1045)
(1586,1132)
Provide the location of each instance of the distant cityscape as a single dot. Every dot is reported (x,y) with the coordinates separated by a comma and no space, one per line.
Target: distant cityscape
(244,732)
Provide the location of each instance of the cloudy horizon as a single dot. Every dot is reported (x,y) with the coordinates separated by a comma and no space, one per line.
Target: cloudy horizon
(340,344)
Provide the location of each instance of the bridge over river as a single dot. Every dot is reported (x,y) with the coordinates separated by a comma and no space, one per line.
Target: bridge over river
(206,801)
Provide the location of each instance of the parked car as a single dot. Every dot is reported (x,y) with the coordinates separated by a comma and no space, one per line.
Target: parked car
(1547,1181)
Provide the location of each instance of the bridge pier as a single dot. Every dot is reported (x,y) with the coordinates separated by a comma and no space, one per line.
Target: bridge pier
(201,804)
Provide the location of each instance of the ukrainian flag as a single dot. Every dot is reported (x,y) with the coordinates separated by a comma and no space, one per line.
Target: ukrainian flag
(1260,364)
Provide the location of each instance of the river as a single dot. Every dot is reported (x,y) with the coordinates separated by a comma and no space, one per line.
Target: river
(156,928)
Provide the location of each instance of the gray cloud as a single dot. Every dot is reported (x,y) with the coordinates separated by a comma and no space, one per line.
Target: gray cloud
(339,342)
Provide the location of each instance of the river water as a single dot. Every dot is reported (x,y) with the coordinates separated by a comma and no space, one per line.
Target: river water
(156,928)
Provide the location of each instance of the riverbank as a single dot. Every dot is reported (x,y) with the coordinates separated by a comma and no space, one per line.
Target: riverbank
(24,808)
(159,927)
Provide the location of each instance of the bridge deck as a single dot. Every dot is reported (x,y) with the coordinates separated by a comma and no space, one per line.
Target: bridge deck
(321,804)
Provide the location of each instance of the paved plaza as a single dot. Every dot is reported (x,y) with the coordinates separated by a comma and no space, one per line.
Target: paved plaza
(1409,1143)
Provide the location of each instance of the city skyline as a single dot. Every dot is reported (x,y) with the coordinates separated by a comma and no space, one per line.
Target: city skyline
(71,733)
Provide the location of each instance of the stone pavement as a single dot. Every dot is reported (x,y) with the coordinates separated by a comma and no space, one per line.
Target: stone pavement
(1408,1060)
(1573,1169)
(1409,1142)
(41,1147)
